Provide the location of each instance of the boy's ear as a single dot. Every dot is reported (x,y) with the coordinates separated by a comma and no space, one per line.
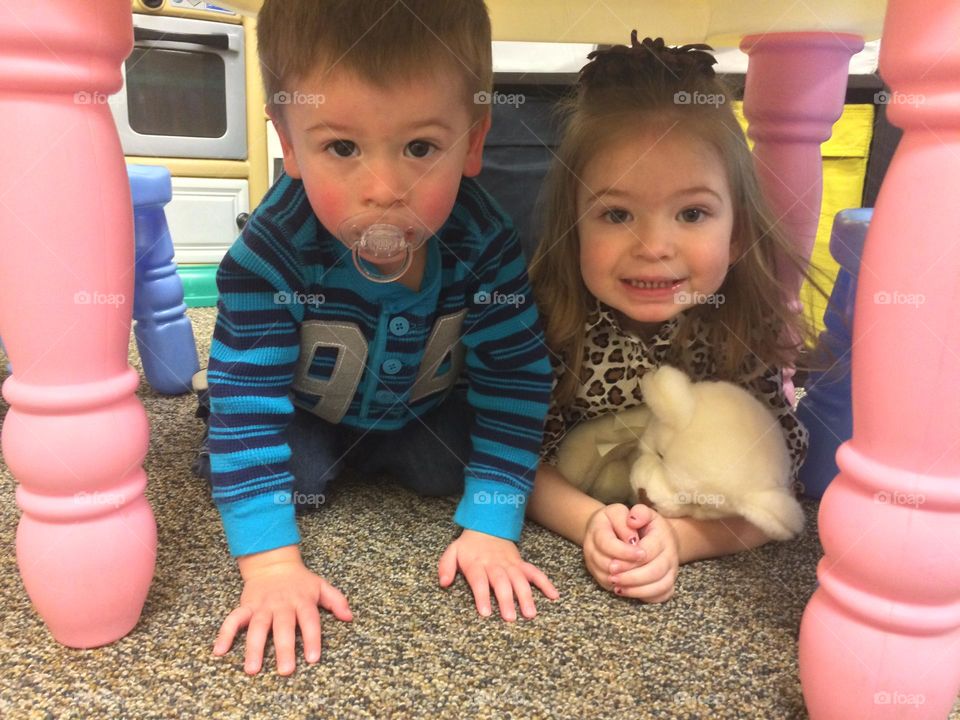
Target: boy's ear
(290,166)
(473,163)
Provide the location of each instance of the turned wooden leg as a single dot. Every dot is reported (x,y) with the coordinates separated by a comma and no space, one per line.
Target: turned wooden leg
(796,84)
(880,637)
(75,435)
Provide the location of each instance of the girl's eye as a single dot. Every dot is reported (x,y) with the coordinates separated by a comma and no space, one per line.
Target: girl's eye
(342,148)
(420,148)
(617,216)
(692,215)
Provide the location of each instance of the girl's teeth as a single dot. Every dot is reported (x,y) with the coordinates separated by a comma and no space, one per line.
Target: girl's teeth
(647,285)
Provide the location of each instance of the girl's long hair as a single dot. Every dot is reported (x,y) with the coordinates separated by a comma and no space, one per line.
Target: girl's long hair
(650,87)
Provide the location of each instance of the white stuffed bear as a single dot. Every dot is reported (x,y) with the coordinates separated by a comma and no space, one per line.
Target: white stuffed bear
(702,450)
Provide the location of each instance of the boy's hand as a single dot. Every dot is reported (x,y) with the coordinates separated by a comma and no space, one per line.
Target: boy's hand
(279,593)
(487,561)
(653,578)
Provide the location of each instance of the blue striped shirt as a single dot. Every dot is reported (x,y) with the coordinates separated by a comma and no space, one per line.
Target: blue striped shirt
(298,325)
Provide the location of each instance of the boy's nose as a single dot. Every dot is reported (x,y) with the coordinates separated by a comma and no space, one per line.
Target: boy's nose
(384,185)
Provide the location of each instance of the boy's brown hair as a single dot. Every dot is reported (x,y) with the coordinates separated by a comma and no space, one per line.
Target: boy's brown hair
(382,41)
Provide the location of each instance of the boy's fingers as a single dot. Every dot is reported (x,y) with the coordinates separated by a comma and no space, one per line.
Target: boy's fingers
(236,620)
(285,641)
(308,617)
(539,578)
(256,639)
(504,592)
(447,567)
(521,588)
(477,580)
(334,601)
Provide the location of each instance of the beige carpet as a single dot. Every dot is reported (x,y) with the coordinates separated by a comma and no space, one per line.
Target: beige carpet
(723,647)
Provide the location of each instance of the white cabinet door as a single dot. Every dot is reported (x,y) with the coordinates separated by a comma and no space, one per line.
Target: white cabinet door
(203,217)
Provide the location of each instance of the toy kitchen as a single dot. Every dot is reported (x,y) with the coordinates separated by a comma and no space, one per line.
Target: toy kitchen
(192,101)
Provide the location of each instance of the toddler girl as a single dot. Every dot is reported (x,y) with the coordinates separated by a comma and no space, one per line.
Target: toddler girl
(657,249)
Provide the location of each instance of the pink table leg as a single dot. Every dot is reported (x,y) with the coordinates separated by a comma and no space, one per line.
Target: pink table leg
(75,435)
(881,636)
(796,83)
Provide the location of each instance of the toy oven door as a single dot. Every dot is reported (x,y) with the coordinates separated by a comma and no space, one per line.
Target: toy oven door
(184,91)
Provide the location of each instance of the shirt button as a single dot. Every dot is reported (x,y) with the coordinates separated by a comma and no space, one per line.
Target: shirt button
(391,367)
(399,326)
(385,397)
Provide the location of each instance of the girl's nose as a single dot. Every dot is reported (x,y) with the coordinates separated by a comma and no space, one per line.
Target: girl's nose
(651,241)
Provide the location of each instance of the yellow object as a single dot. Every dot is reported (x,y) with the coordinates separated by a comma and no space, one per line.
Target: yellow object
(844,172)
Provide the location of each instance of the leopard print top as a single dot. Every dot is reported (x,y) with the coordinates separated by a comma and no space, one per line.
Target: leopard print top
(614,360)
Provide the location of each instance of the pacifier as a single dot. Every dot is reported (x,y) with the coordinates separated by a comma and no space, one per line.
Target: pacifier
(381,239)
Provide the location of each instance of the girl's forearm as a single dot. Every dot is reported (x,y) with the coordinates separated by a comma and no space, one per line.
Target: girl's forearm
(702,539)
(559,506)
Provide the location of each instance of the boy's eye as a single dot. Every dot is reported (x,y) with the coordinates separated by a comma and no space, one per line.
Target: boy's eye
(420,148)
(617,216)
(692,215)
(342,148)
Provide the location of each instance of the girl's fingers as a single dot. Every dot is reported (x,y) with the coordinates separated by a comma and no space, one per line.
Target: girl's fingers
(651,544)
(539,578)
(308,617)
(233,623)
(639,516)
(614,548)
(656,592)
(646,574)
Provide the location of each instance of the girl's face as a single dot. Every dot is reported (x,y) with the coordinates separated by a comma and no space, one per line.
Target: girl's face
(655,223)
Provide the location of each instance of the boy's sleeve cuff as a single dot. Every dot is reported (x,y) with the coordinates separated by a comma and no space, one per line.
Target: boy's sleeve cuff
(260,523)
(492,507)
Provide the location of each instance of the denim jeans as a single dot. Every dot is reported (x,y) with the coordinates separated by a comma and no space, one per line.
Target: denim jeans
(428,455)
